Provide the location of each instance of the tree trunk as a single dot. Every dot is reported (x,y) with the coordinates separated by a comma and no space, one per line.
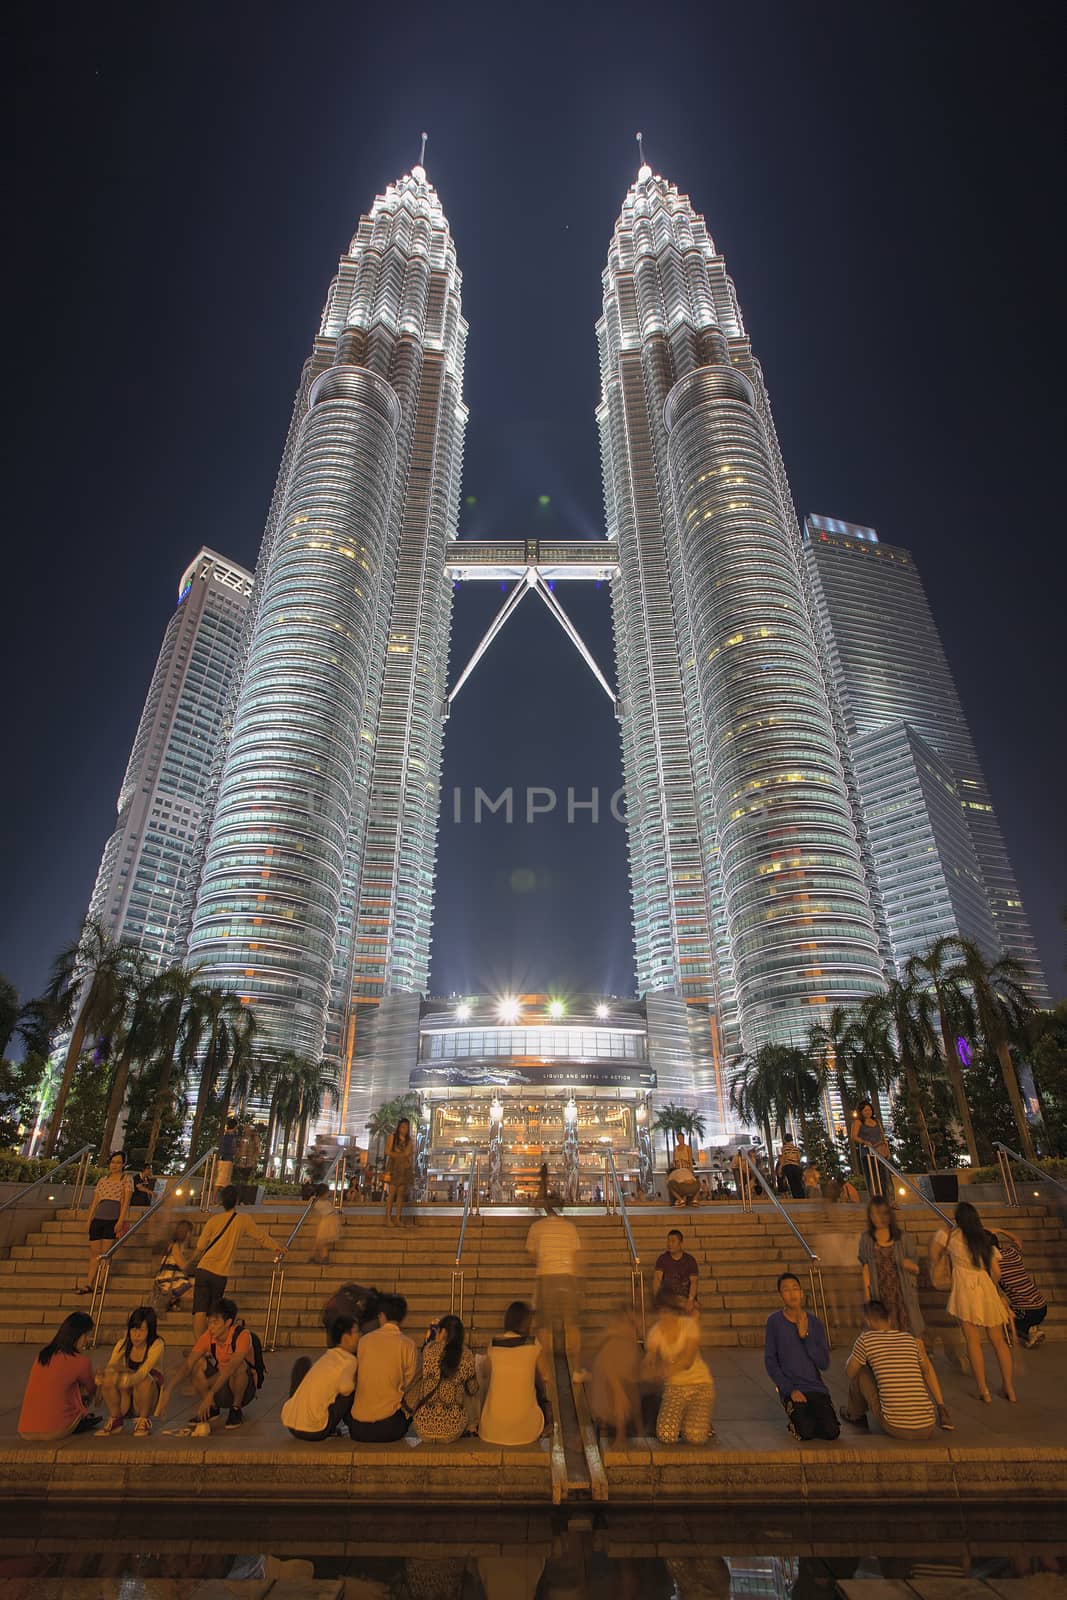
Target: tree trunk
(208,1074)
(286,1131)
(1011,1083)
(55,1121)
(911,1079)
(162,1095)
(115,1102)
(955,1075)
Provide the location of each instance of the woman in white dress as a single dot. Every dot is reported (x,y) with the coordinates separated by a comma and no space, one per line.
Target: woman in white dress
(975,1299)
(513,1413)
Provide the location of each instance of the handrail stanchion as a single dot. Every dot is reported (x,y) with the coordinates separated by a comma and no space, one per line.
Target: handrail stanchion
(1008,1154)
(207,1187)
(1007,1177)
(900,1177)
(637,1282)
(83,1156)
(274,1300)
(102,1279)
(814,1265)
(340,1182)
(457,1270)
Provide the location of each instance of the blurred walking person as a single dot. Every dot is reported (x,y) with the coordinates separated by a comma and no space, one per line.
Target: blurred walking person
(673,1352)
(1029,1307)
(889,1259)
(556,1246)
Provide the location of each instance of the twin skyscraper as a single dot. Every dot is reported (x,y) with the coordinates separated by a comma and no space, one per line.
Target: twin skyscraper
(757,889)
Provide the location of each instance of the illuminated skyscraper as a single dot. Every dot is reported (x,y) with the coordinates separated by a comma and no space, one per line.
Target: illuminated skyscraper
(748,886)
(149,869)
(318,877)
(895,698)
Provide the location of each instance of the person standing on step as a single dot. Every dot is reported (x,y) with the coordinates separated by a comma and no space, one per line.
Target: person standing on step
(133,1377)
(676,1272)
(975,1299)
(892,1377)
(889,1259)
(387,1366)
(400,1165)
(556,1246)
(107,1215)
(796,1353)
(1029,1307)
(320,1392)
(789,1170)
(868,1136)
(226,1154)
(216,1248)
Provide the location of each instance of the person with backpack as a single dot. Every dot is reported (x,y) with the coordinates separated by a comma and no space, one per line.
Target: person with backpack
(174,1277)
(216,1248)
(226,1365)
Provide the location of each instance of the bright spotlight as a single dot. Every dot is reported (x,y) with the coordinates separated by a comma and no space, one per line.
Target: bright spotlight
(555,1008)
(902,1191)
(508,1009)
(177,1191)
(602,1010)
(463,1012)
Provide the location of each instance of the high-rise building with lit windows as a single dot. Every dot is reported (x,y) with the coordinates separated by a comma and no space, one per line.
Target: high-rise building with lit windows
(318,876)
(151,863)
(748,886)
(887,670)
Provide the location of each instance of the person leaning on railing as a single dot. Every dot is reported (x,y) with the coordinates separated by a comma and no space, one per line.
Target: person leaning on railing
(216,1248)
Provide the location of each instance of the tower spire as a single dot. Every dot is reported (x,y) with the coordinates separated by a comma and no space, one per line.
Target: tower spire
(644,171)
(422,150)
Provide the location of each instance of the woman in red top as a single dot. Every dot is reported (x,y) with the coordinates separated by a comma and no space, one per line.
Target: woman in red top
(60,1383)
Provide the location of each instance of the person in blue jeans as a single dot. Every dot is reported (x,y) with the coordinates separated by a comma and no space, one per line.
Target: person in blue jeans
(796,1354)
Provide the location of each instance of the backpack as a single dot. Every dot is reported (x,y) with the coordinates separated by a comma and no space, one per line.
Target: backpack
(258,1365)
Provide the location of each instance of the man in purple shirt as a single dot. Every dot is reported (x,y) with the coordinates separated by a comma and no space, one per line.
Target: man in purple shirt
(796,1353)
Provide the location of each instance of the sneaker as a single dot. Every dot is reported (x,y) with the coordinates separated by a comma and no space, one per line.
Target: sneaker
(1037,1336)
(201,1430)
(580,1375)
(944,1421)
(234,1417)
(794,1433)
(142,1427)
(112,1425)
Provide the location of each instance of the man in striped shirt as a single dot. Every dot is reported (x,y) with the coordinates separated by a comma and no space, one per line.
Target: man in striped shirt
(892,1377)
(1029,1306)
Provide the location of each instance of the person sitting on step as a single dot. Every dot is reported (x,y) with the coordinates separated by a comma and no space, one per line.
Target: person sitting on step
(796,1353)
(893,1378)
(387,1364)
(320,1393)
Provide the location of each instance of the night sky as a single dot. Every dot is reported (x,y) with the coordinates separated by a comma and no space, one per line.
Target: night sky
(883,181)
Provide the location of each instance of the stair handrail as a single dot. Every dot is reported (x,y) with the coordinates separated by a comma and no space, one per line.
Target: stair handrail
(102,1279)
(84,1157)
(637,1277)
(818,1291)
(900,1177)
(456,1300)
(1005,1156)
(277,1277)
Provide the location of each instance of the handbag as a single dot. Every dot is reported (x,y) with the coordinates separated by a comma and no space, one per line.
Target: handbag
(941,1270)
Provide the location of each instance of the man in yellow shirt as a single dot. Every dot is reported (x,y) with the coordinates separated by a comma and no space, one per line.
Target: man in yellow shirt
(216,1248)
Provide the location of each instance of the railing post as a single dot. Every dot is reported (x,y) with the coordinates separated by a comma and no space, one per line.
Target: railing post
(1007,1178)
(207,1187)
(339,1190)
(81,1177)
(100,1285)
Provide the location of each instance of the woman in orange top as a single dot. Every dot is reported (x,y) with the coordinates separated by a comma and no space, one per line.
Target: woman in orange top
(61,1380)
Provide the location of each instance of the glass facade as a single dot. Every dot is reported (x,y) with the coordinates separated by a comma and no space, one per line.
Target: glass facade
(151,863)
(886,666)
(318,878)
(748,886)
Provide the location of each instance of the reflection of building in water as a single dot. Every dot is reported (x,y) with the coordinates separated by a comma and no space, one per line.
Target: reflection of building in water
(528,1079)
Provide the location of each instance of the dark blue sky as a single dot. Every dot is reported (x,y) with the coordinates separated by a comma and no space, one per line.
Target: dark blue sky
(883,182)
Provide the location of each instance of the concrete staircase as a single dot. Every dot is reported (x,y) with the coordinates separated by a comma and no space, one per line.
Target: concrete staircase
(740,1256)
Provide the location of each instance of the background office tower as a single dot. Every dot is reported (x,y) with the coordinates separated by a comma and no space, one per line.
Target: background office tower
(318,875)
(897,705)
(151,863)
(748,885)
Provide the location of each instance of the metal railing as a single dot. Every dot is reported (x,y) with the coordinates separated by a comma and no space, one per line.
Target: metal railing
(1005,1156)
(470,1203)
(746,1172)
(84,1158)
(616,1203)
(874,1178)
(277,1277)
(102,1280)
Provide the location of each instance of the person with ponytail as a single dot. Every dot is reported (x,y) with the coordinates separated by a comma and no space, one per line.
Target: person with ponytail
(437,1398)
(60,1384)
(975,1300)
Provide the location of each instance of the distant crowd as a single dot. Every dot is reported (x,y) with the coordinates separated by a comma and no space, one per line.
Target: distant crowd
(374,1384)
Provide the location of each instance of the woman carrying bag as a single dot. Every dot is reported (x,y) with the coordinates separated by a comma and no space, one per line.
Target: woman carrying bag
(974,1299)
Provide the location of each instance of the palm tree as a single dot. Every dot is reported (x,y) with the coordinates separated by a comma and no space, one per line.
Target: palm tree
(775,1085)
(1003,1008)
(181,1028)
(384,1120)
(230,1028)
(9,1012)
(137,1039)
(900,1021)
(934,971)
(87,988)
(300,1085)
(670,1121)
(831,1045)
